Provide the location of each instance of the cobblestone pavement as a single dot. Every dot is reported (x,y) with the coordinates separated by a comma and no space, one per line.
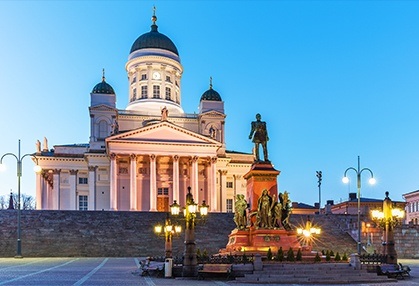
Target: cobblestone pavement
(111,271)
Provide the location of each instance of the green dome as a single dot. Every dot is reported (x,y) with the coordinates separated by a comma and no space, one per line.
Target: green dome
(103,87)
(154,39)
(211,94)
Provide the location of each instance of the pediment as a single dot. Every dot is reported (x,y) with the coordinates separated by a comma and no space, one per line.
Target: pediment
(212,113)
(102,107)
(163,133)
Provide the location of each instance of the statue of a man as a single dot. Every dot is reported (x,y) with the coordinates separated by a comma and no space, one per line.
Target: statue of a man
(240,212)
(260,136)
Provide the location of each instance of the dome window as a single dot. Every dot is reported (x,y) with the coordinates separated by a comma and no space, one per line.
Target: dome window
(144,91)
(156,91)
(143,76)
(168,93)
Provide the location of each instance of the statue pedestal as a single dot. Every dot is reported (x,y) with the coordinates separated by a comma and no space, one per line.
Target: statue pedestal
(261,176)
(258,241)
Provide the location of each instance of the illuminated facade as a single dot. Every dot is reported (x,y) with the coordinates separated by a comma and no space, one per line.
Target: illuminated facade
(144,157)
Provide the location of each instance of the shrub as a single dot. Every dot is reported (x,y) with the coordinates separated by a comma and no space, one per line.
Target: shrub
(290,255)
(323,252)
(317,258)
(331,253)
(327,256)
(269,255)
(299,255)
(337,256)
(280,255)
(344,257)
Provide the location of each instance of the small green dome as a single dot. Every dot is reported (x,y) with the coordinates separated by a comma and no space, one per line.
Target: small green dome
(103,87)
(211,94)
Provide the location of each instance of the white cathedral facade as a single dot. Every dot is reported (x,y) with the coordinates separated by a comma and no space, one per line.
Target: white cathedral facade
(145,157)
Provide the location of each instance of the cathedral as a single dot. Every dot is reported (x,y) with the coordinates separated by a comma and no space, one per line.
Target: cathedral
(144,157)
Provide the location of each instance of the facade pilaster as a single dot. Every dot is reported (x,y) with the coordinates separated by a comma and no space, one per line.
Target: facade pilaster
(133,182)
(113,183)
(73,189)
(56,190)
(153,183)
(91,204)
(39,191)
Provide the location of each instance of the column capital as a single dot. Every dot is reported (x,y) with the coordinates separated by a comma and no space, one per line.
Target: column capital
(112,156)
(73,172)
(152,157)
(92,168)
(175,158)
(57,171)
(133,157)
(214,160)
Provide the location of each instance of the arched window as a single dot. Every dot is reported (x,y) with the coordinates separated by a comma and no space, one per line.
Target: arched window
(103,129)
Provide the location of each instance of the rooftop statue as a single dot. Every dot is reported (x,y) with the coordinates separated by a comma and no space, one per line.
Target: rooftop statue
(260,136)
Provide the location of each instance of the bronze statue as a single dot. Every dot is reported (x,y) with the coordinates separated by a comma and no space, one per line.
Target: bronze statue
(260,136)
(264,210)
(240,212)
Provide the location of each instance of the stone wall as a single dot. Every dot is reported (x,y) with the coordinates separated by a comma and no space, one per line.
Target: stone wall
(130,234)
(102,233)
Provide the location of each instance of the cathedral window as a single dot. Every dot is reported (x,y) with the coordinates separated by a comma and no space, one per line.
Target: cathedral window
(83,181)
(83,203)
(229,185)
(103,129)
(134,79)
(168,93)
(144,91)
(134,94)
(168,79)
(229,205)
(156,91)
(143,76)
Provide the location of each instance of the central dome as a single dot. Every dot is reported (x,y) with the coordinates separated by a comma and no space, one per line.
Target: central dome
(154,39)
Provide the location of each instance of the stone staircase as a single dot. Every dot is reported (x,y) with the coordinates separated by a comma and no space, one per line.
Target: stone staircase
(305,273)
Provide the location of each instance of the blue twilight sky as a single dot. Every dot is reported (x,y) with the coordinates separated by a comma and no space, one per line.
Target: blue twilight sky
(332,79)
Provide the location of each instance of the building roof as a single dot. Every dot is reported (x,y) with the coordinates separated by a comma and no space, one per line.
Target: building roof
(103,87)
(154,39)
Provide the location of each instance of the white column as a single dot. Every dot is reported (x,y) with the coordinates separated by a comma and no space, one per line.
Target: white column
(176,178)
(213,185)
(39,190)
(73,189)
(153,183)
(113,184)
(133,183)
(56,190)
(92,130)
(194,179)
(91,203)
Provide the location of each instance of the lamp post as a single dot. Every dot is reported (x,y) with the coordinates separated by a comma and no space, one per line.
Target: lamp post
(37,168)
(169,230)
(307,233)
(190,260)
(319,184)
(388,218)
(345,179)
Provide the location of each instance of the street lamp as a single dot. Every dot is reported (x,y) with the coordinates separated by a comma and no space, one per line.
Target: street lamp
(388,218)
(345,180)
(319,184)
(306,233)
(37,169)
(190,261)
(169,230)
